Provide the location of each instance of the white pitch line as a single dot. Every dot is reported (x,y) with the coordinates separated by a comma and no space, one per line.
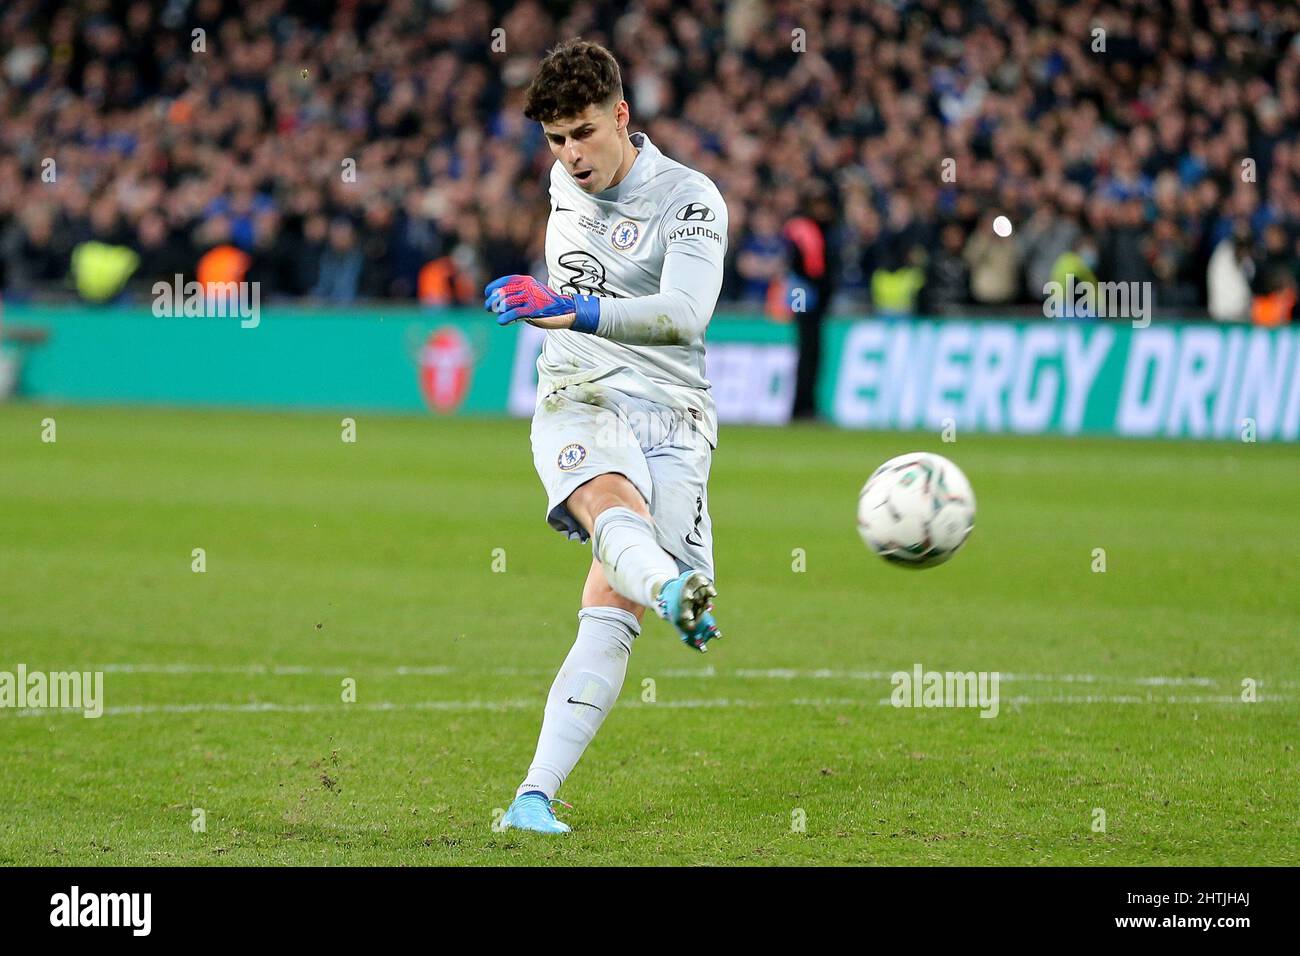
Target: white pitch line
(830,674)
(1022,699)
(268,707)
(269,670)
(707,672)
(1149,699)
(721,703)
(782,673)
(274,708)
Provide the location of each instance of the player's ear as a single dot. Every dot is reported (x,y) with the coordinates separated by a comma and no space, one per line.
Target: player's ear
(622,115)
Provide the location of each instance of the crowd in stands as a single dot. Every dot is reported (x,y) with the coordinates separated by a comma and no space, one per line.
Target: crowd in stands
(339,150)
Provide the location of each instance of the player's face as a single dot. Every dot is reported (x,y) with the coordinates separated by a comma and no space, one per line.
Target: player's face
(590,145)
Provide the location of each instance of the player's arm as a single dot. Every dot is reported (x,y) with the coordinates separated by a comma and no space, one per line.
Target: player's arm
(688,290)
(695,232)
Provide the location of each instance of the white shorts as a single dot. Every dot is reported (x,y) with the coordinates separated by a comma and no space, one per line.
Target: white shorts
(582,431)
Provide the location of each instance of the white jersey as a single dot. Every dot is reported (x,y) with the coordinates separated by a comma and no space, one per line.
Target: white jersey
(652,249)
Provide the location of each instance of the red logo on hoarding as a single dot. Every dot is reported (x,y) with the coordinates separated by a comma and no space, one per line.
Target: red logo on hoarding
(445,363)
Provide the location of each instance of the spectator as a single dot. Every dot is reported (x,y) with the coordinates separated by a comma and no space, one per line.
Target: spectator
(340,264)
(1075,269)
(377,242)
(994,265)
(947,277)
(1274,288)
(309,253)
(163,255)
(101,270)
(761,259)
(33,253)
(813,268)
(1229,277)
(1041,241)
(1170,262)
(272,254)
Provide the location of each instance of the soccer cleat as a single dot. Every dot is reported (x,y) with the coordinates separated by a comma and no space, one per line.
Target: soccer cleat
(532,811)
(686,602)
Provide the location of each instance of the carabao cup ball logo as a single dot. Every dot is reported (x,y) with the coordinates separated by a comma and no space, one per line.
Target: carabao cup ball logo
(571,456)
(445,363)
(624,234)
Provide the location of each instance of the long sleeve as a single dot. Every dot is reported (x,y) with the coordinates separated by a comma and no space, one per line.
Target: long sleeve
(695,247)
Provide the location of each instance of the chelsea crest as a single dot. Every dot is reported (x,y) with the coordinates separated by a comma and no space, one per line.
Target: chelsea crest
(624,235)
(571,456)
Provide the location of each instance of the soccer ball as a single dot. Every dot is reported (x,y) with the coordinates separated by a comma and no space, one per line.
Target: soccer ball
(916,510)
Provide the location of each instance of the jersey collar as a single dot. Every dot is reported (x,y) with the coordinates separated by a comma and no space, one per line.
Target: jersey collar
(641,170)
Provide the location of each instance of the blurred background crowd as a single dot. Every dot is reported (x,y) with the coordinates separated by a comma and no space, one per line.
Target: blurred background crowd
(338,150)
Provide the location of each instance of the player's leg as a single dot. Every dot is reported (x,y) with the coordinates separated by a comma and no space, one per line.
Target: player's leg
(588,452)
(617,517)
(597,592)
(587,686)
(626,542)
(585,462)
(576,444)
(679,472)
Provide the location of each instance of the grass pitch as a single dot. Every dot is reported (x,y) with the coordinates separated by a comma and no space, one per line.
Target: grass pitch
(374,562)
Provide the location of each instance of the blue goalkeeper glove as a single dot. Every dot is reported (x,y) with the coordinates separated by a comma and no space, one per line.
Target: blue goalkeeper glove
(523,297)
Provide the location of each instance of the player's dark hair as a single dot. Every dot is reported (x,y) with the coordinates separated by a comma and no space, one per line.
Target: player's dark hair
(574,75)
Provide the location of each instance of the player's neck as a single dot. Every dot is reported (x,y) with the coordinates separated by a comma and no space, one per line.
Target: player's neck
(630,154)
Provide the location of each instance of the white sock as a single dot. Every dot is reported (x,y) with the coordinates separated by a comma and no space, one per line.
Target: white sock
(634,564)
(583,694)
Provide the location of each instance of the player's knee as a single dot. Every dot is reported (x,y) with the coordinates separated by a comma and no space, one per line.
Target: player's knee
(602,493)
(596,592)
(605,596)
